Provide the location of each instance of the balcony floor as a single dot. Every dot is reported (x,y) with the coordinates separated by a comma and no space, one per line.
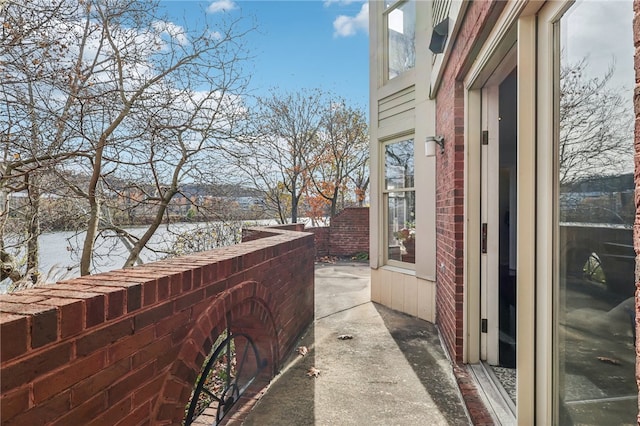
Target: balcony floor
(393,372)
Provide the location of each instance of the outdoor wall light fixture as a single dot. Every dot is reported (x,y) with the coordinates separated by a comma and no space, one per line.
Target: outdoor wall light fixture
(430,145)
(439,36)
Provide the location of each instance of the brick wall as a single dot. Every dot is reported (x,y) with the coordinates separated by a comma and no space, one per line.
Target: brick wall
(636,228)
(251,234)
(347,235)
(321,236)
(350,232)
(125,347)
(450,174)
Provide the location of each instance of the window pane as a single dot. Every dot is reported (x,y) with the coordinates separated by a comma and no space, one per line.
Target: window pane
(400,202)
(401,24)
(401,214)
(596,320)
(399,165)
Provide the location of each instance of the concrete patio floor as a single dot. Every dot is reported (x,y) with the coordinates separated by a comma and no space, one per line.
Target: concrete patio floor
(392,372)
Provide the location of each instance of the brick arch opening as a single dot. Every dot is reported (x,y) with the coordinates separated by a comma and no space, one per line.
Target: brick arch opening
(242,309)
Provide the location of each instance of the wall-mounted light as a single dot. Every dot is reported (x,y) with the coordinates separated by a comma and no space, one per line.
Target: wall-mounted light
(439,36)
(430,145)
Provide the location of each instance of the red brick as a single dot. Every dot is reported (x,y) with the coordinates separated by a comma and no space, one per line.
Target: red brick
(149,293)
(104,336)
(44,328)
(115,304)
(14,335)
(98,382)
(153,315)
(186,281)
(34,366)
(174,388)
(130,383)
(19,297)
(88,410)
(95,311)
(69,291)
(134,298)
(185,372)
(113,413)
(71,374)
(188,300)
(165,324)
(14,403)
(148,392)
(170,411)
(130,345)
(71,313)
(137,416)
(155,350)
(42,413)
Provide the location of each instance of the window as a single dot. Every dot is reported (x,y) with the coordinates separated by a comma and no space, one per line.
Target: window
(595,322)
(400,201)
(400,19)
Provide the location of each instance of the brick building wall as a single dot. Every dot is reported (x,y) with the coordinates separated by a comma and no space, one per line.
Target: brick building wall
(125,347)
(450,174)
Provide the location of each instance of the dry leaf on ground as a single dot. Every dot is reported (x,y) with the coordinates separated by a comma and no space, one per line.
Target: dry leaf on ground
(313,372)
(302,350)
(345,337)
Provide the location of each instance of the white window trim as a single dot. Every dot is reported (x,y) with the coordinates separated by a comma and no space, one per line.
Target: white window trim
(384,192)
(456,13)
(406,75)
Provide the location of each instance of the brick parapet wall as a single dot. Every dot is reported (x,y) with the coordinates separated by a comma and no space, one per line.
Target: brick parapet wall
(350,232)
(126,346)
(321,236)
(450,174)
(347,235)
(250,234)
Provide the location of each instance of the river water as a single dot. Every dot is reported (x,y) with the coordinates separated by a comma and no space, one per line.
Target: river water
(60,251)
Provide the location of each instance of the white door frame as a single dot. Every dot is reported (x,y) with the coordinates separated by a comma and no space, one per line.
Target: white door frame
(516,26)
(489,215)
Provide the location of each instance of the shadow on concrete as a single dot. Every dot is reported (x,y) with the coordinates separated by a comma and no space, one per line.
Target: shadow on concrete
(392,371)
(419,342)
(291,388)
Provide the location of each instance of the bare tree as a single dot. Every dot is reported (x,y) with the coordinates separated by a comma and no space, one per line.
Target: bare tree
(34,134)
(595,125)
(112,90)
(284,137)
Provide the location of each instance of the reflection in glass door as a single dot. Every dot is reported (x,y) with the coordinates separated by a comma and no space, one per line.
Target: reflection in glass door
(595,321)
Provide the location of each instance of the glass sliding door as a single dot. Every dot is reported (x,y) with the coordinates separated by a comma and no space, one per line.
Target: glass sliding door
(594,380)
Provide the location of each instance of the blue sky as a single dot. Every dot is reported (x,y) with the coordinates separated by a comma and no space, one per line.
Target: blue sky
(298,44)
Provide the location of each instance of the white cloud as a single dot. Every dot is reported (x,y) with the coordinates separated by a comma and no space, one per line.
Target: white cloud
(328,3)
(215,35)
(221,6)
(345,26)
(173,31)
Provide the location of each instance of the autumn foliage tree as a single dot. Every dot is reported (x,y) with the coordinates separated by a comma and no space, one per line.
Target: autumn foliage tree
(308,149)
(275,156)
(341,154)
